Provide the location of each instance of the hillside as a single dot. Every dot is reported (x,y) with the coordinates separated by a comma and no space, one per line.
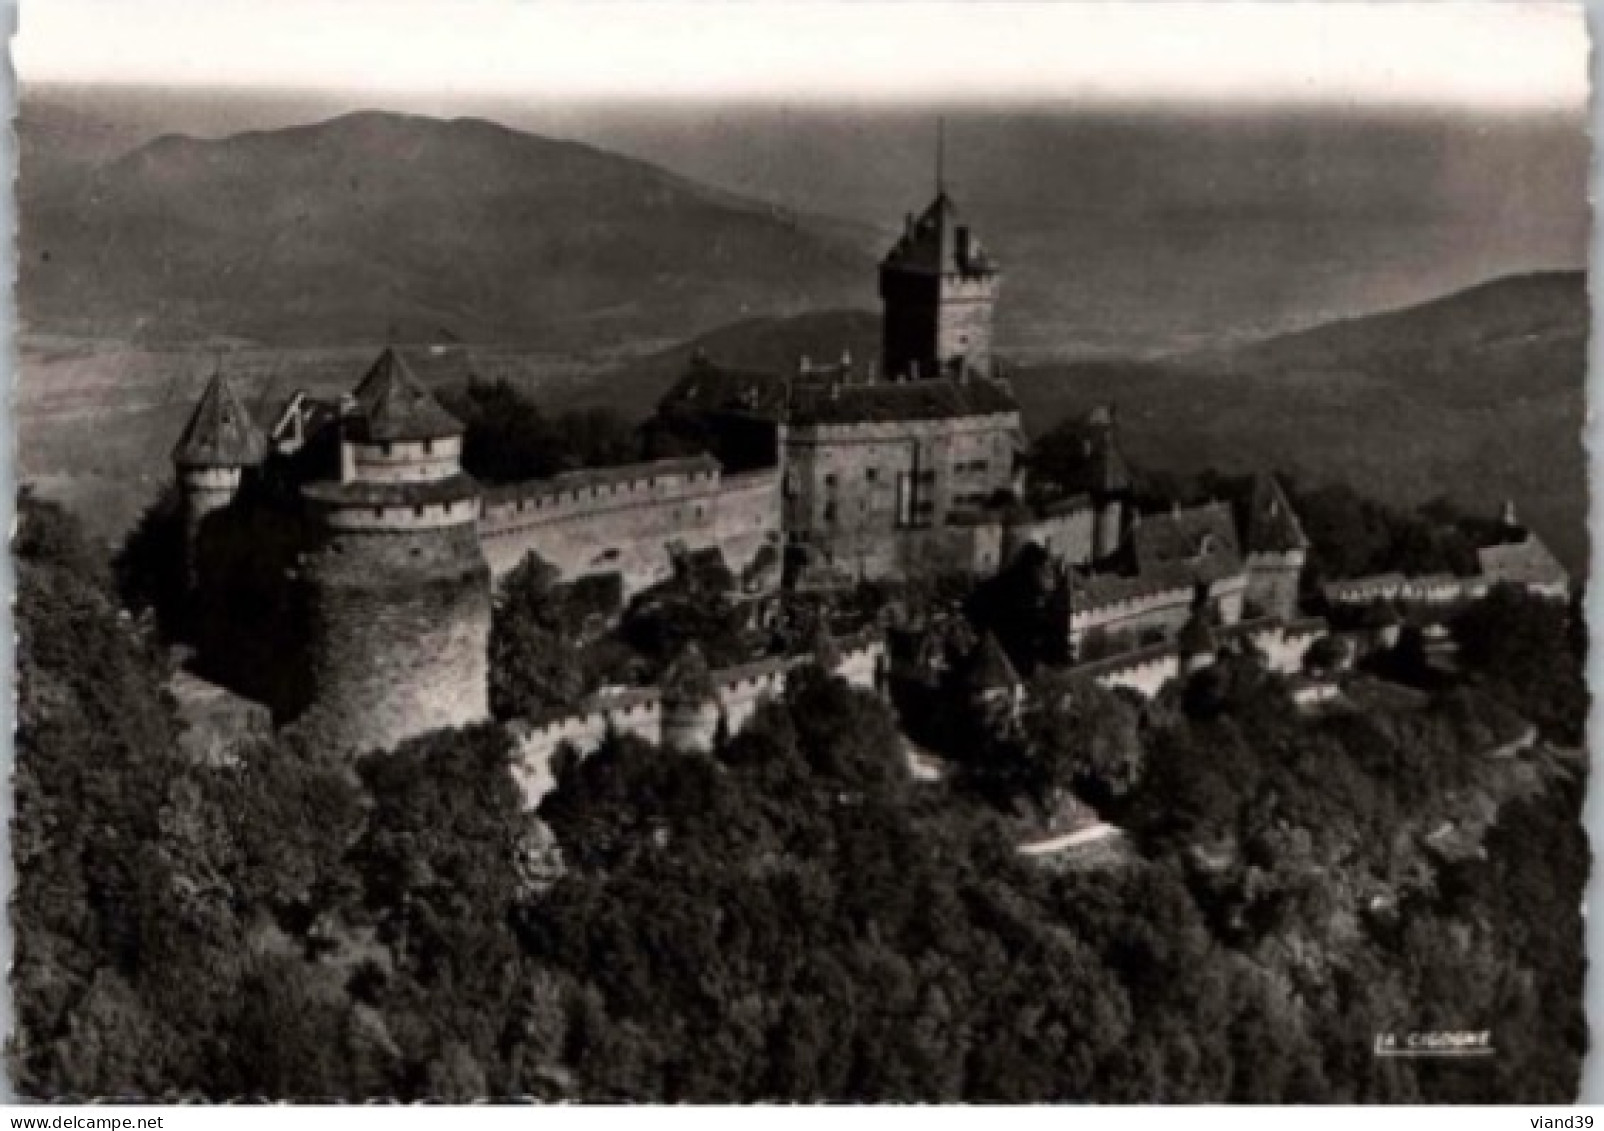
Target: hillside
(1478,395)
(377,225)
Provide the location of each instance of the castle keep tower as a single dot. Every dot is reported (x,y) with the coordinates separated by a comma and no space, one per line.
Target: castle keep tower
(396,587)
(938,287)
(219,446)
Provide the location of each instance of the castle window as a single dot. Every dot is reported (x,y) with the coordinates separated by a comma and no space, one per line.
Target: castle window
(870,473)
(378,512)
(420,510)
(384,448)
(829,512)
(829,480)
(428,447)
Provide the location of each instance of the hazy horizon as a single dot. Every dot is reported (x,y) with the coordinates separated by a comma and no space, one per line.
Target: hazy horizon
(1483,54)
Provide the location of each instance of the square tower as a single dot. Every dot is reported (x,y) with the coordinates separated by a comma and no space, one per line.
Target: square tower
(938,287)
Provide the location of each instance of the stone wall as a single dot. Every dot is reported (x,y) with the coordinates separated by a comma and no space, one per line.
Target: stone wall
(625,520)
(738,693)
(851,490)
(398,635)
(930,321)
(1066,537)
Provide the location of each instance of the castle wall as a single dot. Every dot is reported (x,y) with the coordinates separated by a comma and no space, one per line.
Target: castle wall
(931,321)
(412,461)
(964,327)
(399,628)
(1144,671)
(738,693)
(1066,537)
(624,519)
(397,517)
(1164,610)
(747,516)
(851,490)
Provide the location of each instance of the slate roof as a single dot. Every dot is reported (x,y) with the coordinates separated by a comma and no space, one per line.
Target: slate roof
(1524,562)
(1272,526)
(220,432)
(932,244)
(393,405)
(1203,539)
(890,401)
(708,387)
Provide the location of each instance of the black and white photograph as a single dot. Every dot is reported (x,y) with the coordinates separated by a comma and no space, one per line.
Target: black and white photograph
(777,553)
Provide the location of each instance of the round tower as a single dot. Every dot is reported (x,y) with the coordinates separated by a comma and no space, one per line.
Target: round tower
(396,587)
(219,446)
(690,703)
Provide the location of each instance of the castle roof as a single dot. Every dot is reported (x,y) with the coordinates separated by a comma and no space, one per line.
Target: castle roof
(220,432)
(709,387)
(939,243)
(1203,539)
(891,401)
(1524,562)
(1101,589)
(393,405)
(1272,526)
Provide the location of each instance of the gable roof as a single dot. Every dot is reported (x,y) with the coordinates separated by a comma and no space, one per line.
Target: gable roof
(220,432)
(709,387)
(1524,562)
(938,243)
(1201,538)
(393,405)
(1272,526)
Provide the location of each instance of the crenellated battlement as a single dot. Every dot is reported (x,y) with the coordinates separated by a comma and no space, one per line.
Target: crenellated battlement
(648,712)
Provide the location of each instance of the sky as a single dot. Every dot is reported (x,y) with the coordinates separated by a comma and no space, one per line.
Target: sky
(1494,55)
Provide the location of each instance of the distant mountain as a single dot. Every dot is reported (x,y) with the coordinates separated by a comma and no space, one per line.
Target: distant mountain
(377,225)
(770,344)
(1479,396)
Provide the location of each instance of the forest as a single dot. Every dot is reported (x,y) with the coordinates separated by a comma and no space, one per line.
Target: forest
(793,918)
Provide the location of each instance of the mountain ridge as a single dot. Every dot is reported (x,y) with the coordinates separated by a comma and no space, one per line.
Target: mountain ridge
(374,224)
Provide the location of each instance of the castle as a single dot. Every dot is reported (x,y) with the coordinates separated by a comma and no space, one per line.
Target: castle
(362,529)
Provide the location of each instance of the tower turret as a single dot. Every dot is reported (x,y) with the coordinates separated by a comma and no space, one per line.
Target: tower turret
(691,709)
(1277,549)
(397,587)
(938,287)
(1108,480)
(219,446)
